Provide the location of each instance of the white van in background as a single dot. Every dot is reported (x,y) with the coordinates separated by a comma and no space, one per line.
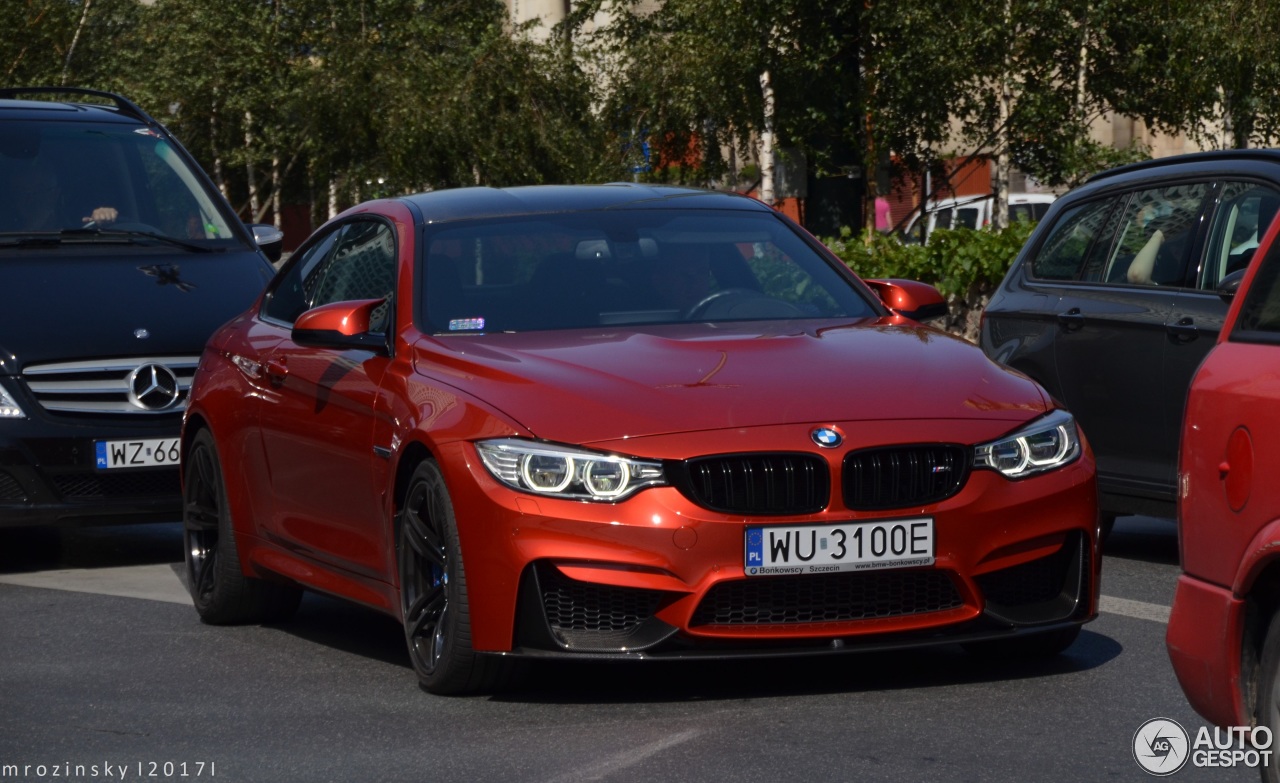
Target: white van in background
(973,212)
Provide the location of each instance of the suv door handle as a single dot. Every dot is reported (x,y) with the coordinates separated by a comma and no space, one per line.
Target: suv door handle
(1184,331)
(1072,319)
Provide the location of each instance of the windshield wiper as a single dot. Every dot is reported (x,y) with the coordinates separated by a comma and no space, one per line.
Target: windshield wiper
(30,238)
(132,235)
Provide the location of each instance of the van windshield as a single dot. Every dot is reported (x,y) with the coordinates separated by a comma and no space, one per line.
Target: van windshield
(60,176)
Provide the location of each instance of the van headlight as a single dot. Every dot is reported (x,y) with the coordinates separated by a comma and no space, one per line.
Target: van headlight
(565,471)
(1046,444)
(9,408)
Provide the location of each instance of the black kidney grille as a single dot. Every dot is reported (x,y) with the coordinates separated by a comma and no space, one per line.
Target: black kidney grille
(759,483)
(571,605)
(827,598)
(902,476)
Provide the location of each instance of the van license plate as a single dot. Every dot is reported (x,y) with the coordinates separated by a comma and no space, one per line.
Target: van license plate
(137,453)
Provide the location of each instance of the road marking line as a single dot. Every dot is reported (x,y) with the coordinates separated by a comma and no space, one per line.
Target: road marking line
(1137,609)
(151,582)
(626,759)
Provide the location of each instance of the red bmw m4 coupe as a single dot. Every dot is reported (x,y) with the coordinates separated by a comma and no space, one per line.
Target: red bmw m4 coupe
(625,422)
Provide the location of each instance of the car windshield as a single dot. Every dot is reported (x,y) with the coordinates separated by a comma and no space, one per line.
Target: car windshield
(614,267)
(108,178)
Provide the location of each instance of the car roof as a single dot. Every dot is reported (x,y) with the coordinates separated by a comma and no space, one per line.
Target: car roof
(1228,160)
(481,202)
(1014,198)
(63,106)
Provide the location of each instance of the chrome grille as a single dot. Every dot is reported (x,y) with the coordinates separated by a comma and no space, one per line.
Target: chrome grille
(904,476)
(758,483)
(102,385)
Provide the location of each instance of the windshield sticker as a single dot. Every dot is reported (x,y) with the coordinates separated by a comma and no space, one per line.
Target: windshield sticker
(466,324)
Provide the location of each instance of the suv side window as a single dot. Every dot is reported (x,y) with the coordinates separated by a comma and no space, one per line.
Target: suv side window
(1245,210)
(1260,313)
(1081,233)
(1157,231)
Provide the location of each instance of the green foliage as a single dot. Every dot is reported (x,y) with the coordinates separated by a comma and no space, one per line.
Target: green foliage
(955,262)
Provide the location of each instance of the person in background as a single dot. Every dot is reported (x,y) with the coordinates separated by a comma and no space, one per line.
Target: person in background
(884,221)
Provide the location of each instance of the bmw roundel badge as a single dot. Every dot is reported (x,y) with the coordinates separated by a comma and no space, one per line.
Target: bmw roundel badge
(826,437)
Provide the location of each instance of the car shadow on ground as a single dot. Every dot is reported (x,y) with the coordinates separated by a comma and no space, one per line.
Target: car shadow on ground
(27,549)
(675,681)
(348,627)
(359,631)
(1149,539)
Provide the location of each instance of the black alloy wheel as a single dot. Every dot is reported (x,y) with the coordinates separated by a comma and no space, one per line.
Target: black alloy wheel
(221,592)
(433,593)
(201,511)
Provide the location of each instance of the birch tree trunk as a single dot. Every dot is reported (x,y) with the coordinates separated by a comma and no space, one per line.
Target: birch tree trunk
(767,152)
(1000,210)
(75,39)
(249,168)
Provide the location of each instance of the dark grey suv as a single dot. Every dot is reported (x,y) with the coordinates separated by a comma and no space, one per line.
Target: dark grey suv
(1120,293)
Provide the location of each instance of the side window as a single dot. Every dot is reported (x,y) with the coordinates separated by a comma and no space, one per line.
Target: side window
(1157,231)
(362,266)
(968,217)
(292,295)
(1260,312)
(1080,234)
(1245,210)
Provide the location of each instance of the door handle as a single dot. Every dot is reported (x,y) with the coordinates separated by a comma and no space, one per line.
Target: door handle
(1184,331)
(1072,319)
(276,371)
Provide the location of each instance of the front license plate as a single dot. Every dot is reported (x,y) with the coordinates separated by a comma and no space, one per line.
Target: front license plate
(137,453)
(853,546)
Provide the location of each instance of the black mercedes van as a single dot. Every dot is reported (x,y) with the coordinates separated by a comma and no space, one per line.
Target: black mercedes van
(118,259)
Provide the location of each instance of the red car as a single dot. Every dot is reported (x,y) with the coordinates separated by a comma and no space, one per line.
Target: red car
(624,422)
(1223,636)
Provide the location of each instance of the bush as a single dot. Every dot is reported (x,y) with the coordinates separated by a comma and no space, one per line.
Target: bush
(965,265)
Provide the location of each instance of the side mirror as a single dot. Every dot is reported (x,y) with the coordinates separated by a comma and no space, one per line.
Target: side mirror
(915,300)
(269,238)
(340,325)
(1226,289)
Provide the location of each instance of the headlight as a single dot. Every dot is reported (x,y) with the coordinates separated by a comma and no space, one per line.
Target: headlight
(1045,444)
(9,408)
(565,471)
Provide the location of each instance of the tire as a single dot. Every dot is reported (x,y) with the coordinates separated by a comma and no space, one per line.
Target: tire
(433,593)
(1267,707)
(223,595)
(1045,644)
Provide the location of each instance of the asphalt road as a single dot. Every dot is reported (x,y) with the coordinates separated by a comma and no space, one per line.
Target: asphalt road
(107,674)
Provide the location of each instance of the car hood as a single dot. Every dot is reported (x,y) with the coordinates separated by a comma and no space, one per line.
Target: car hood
(68,306)
(583,386)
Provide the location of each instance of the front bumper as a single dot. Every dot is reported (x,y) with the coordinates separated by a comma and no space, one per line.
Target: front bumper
(1206,629)
(657,576)
(48,474)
